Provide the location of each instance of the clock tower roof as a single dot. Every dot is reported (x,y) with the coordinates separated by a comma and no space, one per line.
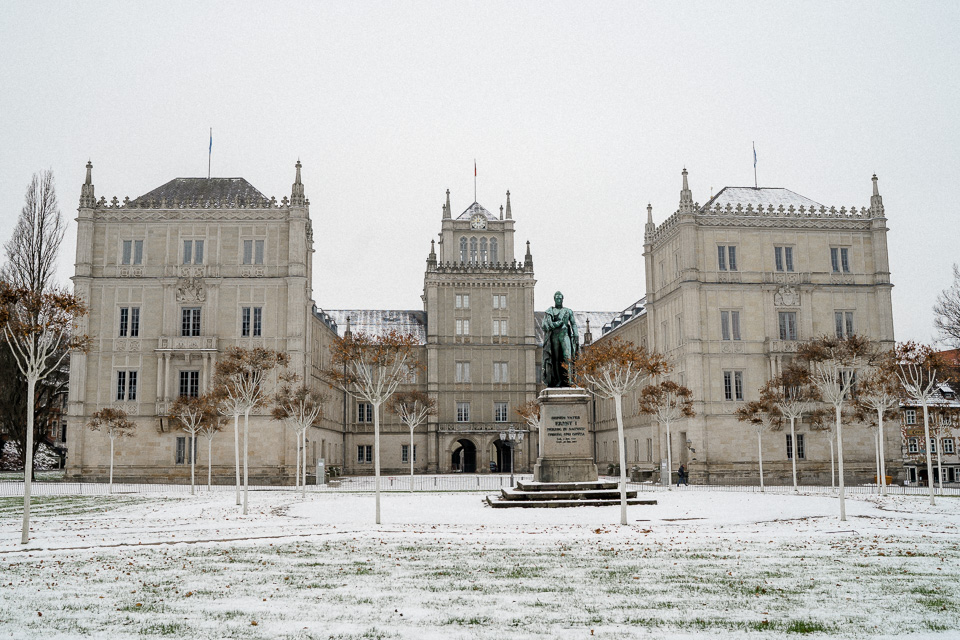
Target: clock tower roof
(473,210)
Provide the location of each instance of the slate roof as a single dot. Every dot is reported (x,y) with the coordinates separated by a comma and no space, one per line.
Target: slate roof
(215,190)
(635,310)
(764,196)
(379,321)
(474,209)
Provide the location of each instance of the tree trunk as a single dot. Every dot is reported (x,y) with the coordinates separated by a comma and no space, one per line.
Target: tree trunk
(618,402)
(296,480)
(876,448)
(411,459)
(883,463)
(28,460)
(111,463)
(209,463)
(833,467)
(939,468)
(192,443)
(669,458)
(760,453)
(793,458)
(246,451)
(843,504)
(926,440)
(303,485)
(376,454)
(236,450)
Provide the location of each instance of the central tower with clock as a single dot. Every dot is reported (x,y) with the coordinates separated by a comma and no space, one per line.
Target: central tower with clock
(481,346)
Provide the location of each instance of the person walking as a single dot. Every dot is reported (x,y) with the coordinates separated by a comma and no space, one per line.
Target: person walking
(681,475)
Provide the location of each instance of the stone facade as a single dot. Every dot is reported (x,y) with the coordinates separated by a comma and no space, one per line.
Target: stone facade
(732,287)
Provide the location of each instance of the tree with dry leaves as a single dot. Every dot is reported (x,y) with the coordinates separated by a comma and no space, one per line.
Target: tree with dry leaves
(370,368)
(193,414)
(243,381)
(211,424)
(791,395)
(611,369)
(413,408)
(116,424)
(530,413)
(301,407)
(917,369)
(667,402)
(37,325)
(877,401)
(834,365)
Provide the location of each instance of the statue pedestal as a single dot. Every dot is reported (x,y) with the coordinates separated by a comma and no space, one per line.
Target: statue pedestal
(566,444)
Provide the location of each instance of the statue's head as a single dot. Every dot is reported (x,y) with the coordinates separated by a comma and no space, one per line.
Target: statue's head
(558,299)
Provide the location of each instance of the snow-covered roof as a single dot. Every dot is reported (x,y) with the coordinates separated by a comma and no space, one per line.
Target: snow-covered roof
(763,196)
(378,322)
(597,320)
(635,310)
(474,209)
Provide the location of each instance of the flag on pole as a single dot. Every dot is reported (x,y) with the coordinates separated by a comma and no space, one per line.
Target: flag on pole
(211,140)
(754,155)
(474,168)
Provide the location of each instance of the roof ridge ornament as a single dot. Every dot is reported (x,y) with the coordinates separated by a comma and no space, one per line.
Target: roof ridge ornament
(297,196)
(446,207)
(87,198)
(876,200)
(686,196)
(509,210)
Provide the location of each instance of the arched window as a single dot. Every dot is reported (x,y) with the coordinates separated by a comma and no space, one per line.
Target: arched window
(463,249)
(483,249)
(473,249)
(493,250)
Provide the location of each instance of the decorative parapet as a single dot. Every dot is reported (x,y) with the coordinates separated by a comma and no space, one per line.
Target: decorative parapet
(782,346)
(239,203)
(185,343)
(478,267)
(480,427)
(791,216)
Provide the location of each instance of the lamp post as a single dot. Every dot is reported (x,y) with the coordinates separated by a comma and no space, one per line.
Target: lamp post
(511,437)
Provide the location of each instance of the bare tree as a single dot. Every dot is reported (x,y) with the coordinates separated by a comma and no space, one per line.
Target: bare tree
(116,424)
(413,408)
(667,402)
(190,412)
(611,369)
(835,364)
(761,415)
(917,372)
(210,425)
(946,312)
(242,375)
(793,395)
(370,368)
(36,326)
(530,413)
(879,393)
(301,407)
(34,245)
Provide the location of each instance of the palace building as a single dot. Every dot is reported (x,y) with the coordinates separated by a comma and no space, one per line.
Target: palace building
(177,275)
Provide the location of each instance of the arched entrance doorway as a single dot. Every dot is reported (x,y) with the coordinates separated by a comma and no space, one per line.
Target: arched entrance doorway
(503,456)
(464,457)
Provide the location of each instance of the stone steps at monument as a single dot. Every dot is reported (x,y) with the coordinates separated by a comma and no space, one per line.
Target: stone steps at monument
(576,494)
(568,486)
(528,504)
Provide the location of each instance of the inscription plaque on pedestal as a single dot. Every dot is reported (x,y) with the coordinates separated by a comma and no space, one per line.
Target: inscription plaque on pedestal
(566,444)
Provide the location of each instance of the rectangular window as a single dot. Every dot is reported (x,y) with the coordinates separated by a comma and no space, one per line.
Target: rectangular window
(190,384)
(129,322)
(499,327)
(198,252)
(186,454)
(733,385)
(729,325)
(463,371)
(463,412)
(132,252)
(840,259)
(248,252)
(722,258)
(499,301)
(127,252)
(364,412)
(134,322)
(912,445)
(190,321)
(405,453)
(131,385)
(500,373)
(258,252)
(364,453)
(679,329)
(649,449)
(253,252)
(499,411)
(727,257)
(843,322)
(910,416)
(783,258)
(463,301)
(933,445)
(800,447)
(187,251)
(251,321)
(138,252)
(732,258)
(664,337)
(788,325)
(121,385)
(948,446)
(463,327)
(124,321)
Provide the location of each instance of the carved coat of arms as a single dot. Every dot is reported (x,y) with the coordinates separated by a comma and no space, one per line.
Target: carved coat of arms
(786,296)
(190,290)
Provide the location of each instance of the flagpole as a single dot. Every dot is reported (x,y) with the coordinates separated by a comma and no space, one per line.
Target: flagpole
(755,184)
(209,153)
(474,179)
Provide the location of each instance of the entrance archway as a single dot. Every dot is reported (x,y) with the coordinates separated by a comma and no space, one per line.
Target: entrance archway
(464,457)
(503,456)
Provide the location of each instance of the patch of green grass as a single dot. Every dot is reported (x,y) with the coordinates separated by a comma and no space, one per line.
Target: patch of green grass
(166,629)
(807,626)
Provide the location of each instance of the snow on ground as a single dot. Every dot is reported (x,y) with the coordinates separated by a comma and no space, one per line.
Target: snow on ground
(443,565)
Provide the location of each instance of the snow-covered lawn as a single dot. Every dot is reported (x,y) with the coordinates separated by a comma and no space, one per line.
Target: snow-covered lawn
(712,564)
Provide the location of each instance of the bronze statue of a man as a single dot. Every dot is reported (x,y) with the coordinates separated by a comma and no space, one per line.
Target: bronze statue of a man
(560,343)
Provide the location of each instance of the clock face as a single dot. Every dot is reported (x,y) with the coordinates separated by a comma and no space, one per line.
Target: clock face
(478,221)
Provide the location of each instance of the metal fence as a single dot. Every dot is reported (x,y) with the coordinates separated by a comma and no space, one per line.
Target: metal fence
(449,482)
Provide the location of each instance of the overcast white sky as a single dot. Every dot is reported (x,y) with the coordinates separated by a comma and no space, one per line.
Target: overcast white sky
(585,111)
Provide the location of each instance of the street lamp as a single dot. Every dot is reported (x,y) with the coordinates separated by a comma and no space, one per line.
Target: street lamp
(511,437)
